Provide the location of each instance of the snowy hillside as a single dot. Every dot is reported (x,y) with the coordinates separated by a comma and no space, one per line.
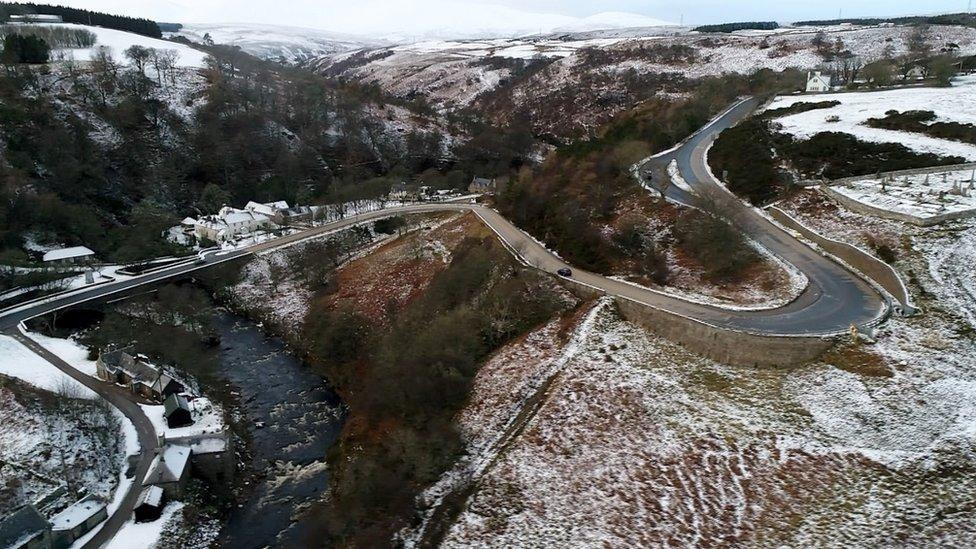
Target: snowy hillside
(601,70)
(291,44)
(955,104)
(118,41)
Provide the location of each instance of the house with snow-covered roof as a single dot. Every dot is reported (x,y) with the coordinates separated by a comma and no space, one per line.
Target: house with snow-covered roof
(68,256)
(170,470)
(149,506)
(818,82)
(77,520)
(121,367)
(229,223)
(24,527)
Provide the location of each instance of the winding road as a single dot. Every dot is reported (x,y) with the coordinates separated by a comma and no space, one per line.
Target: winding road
(834,299)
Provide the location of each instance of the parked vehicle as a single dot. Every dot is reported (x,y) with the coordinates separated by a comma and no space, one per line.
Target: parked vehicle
(565,272)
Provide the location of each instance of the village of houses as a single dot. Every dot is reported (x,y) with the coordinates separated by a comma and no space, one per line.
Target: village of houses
(228,228)
(192,442)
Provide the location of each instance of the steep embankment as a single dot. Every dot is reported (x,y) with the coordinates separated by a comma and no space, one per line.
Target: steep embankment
(401,331)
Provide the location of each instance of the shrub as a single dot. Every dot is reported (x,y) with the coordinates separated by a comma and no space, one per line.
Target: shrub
(924,122)
(743,156)
(881,247)
(717,246)
(389,225)
(834,155)
(797,108)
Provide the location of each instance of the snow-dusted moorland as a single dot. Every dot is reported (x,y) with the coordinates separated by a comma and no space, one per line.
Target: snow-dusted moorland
(636,441)
(953,104)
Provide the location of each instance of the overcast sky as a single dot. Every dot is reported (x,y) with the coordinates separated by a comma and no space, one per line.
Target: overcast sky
(419,16)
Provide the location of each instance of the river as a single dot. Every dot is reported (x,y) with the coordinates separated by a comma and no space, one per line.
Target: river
(294,417)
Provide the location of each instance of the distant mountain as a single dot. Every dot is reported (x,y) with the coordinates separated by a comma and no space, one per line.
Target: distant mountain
(400,22)
(278,43)
(611,20)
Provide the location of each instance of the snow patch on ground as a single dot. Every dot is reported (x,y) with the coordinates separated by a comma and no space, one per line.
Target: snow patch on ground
(145,534)
(18,361)
(118,41)
(919,195)
(207,418)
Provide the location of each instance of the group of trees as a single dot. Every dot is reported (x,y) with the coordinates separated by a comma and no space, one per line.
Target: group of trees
(264,133)
(962,19)
(850,69)
(21,48)
(732,27)
(54,36)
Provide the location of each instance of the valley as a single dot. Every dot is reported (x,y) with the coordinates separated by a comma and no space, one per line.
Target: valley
(609,282)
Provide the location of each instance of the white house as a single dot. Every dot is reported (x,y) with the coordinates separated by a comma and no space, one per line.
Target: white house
(818,82)
(69,256)
(230,222)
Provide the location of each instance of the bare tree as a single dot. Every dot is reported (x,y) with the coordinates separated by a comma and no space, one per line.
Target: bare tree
(164,61)
(105,73)
(139,55)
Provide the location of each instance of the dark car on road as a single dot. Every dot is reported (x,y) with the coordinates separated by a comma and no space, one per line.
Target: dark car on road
(566,272)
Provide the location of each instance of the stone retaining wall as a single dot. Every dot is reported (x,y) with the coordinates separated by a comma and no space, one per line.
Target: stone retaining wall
(880,272)
(719,344)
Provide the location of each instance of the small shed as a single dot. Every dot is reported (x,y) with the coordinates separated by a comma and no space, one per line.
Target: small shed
(149,506)
(24,528)
(69,256)
(77,520)
(176,410)
(164,386)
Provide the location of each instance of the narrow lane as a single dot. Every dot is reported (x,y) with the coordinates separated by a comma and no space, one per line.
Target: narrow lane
(119,398)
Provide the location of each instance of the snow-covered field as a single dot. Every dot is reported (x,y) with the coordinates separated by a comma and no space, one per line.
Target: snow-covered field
(954,104)
(642,443)
(118,41)
(516,48)
(922,196)
(291,44)
(20,362)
